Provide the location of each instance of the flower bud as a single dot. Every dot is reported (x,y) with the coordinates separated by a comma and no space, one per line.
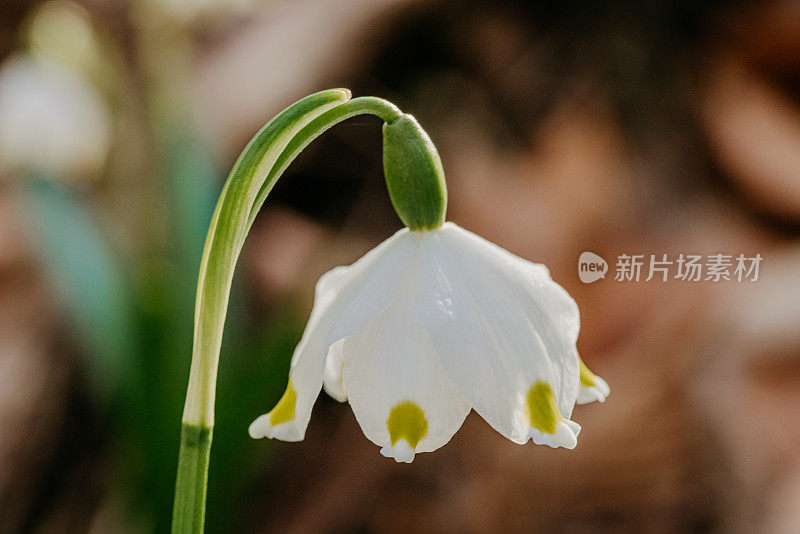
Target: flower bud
(414,174)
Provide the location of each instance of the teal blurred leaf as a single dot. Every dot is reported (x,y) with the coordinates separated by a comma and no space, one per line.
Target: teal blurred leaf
(194,182)
(88,278)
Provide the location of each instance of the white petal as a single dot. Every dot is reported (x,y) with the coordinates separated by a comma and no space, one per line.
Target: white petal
(593,388)
(554,313)
(499,324)
(597,393)
(346,299)
(401,452)
(566,435)
(332,377)
(395,380)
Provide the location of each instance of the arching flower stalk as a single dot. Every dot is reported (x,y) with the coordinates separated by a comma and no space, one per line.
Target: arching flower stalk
(432,323)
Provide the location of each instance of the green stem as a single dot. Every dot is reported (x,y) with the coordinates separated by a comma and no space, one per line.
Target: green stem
(259,166)
(190,493)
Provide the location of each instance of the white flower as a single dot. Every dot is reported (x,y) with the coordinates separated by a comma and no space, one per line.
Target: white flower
(427,326)
(51,120)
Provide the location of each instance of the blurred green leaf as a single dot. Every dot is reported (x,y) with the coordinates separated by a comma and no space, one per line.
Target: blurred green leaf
(194,183)
(80,264)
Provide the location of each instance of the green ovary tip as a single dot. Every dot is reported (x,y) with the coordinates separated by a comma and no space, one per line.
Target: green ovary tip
(407,421)
(542,409)
(283,412)
(587,377)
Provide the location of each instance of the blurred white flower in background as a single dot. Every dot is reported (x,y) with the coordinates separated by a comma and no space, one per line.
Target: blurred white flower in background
(62,31)
(51,120)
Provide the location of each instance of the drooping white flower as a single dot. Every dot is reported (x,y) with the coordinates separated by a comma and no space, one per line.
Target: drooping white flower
(427,326)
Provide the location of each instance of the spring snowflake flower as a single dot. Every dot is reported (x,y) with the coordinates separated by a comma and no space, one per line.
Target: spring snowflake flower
(429,325)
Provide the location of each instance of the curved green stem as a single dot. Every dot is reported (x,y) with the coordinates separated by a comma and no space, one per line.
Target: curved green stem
(254,174)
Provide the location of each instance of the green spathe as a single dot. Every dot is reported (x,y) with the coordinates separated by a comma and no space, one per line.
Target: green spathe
(414,174)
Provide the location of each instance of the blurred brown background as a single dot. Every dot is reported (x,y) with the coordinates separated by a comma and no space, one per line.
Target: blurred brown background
(612,127)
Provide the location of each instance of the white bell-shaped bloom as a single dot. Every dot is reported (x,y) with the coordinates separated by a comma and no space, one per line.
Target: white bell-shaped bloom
(427,326)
